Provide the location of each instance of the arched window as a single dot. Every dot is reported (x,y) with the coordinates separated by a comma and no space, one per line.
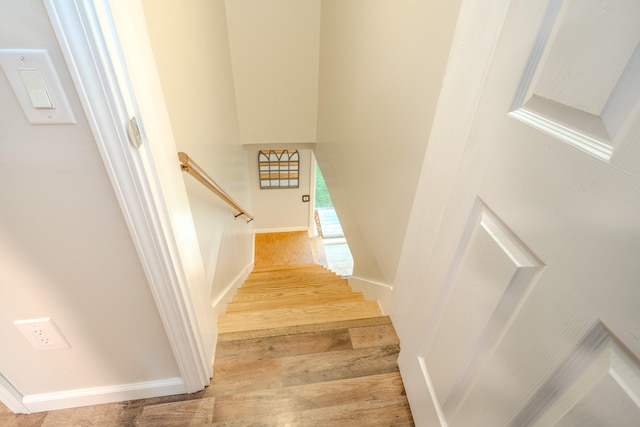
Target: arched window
(279,168)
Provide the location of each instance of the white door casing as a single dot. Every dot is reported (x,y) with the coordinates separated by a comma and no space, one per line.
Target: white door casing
(147,181)
(527,308)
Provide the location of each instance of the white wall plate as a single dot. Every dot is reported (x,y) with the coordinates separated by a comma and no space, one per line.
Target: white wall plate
(13,60)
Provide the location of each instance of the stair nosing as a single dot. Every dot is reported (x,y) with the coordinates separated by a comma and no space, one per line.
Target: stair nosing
(301,329)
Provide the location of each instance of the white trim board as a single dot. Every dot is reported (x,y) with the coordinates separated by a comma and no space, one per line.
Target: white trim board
(219,304)
(99,395)
(11,397)
(373,290)
(103,84)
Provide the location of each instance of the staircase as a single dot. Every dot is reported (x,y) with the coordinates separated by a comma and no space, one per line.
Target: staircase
(297,346)
(286,296)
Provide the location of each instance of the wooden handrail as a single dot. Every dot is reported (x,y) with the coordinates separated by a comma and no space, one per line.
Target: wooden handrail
(188,165)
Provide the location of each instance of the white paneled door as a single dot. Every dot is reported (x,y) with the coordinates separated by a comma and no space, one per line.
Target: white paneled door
(535,316)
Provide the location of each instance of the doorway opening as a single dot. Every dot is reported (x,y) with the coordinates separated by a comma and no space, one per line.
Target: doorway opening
(328,228)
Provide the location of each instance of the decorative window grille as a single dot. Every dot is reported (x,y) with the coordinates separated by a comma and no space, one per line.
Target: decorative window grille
(279,168)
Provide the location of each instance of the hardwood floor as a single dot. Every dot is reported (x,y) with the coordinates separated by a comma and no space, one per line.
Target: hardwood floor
(296,347)
(340,375)
(289,248)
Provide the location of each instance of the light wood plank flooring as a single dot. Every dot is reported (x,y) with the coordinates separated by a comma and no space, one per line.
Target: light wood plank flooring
(296,347)
(290,248)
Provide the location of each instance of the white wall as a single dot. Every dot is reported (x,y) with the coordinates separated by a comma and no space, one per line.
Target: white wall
(281,209)
(65,249)
(194,65)
(274,50)
(381,66)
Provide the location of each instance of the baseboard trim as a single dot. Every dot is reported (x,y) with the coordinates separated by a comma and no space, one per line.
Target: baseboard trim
(99,395)
(373,290)
(219,303)
(11,397)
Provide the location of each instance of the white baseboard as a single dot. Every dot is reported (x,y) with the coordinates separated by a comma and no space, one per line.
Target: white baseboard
(98,395)
(373,290)
(220,302)
(11,398)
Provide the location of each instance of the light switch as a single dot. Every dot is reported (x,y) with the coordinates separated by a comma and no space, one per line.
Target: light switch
(36,85)
(37,91)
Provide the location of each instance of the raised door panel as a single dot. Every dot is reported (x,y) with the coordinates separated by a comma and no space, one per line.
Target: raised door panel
(535,315)
(580,84)
(488,280)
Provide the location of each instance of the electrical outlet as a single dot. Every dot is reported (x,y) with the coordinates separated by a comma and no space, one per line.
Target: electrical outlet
(42,333)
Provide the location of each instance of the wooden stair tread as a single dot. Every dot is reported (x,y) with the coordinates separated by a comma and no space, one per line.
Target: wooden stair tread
(364,333)
(232,377)
(302,329)
(310,279)
(251,294)
(245,321)
(318,271)
(292,301)
(279,346)
(293,288)
(291,272)
(342,364)
(323,395)
(394,412)
(271,268)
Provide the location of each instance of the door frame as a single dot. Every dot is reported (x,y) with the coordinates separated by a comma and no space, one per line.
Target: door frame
(139,178)
(11,397)
(147,181)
